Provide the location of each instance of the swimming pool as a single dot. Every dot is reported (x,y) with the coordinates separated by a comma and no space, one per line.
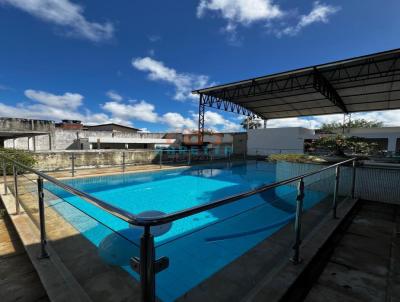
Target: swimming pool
(197,246)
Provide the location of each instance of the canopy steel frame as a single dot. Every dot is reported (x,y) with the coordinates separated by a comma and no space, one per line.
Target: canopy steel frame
(344,86)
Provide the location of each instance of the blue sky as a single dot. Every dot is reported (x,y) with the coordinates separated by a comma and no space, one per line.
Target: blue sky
(135,62)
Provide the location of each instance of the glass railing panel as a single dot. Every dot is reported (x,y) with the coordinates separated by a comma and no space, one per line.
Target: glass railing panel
(209,244)
(93,245)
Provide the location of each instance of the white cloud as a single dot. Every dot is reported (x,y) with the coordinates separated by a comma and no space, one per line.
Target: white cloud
(319,13)
(154,38)
(113,95)
(277,20)
(45,105)
(184,82)
(66,101)
(241,11)
(217,122)
(141,111)
(66,14)
(177,122)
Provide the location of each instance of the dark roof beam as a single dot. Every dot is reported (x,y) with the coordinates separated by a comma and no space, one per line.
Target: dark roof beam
(323,86)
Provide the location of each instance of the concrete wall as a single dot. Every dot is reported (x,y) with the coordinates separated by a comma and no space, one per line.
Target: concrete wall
(61,160)
(277,140)
(66,139)
(239,142)
(19,124)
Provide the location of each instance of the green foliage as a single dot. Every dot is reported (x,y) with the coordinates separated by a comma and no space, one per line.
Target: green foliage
(358,123)
(24,157)
(252,123)
(339,144)
(295,158)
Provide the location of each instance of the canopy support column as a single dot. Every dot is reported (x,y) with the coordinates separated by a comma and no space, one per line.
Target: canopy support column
(201,119)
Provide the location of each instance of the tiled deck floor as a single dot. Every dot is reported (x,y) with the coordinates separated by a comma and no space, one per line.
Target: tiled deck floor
(365,266)
(18,278)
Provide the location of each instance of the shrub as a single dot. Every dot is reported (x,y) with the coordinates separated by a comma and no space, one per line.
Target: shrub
(24,157)
(295,158)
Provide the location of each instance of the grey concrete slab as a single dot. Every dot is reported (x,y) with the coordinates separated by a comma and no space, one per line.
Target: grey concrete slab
(379,246)
(354,283)
(361,260)
(323,293)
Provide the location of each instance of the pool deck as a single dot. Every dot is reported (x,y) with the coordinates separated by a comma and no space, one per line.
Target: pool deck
(365,265)
(19,280)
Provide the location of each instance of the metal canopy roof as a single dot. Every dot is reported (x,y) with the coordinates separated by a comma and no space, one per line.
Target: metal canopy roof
(366,83)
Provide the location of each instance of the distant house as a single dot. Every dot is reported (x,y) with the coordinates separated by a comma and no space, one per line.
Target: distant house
(112,127)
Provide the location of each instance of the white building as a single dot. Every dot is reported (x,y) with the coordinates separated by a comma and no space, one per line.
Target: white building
(291,140)
(277,140)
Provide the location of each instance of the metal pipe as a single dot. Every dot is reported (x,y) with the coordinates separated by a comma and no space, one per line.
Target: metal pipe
(353,180)
(297,225)
(15,173)
(335,192)
(123,161)
(43,242)
(217,203)
(72,164)
(158,220)
(5,176)
(161,151)
(116,211)
(147,270)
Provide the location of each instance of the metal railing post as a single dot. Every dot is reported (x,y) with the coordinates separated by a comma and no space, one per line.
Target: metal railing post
(72,158)
(15,173)
(353,181)
(161,152)
(297,224)
(123,161)
(189,157)
(43,242)
(5,176)
(335,192)
(147,271)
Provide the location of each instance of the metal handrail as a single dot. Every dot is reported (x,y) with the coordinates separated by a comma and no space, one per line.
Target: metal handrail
(151,221)
(147,266)
(159,220)
(116,211)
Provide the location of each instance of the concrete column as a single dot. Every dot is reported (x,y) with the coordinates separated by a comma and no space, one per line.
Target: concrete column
(265,124)
(50,147)
(126,146)
(392,143)
(34,143)
(28,143)
(14,143)
(98,144)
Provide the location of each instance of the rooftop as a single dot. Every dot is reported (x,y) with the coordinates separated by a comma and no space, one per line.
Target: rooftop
(366,83)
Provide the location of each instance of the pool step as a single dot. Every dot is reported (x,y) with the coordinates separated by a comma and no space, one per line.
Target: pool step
(58,282)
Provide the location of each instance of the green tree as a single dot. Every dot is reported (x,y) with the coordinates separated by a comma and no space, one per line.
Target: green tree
(253,123)
(340,144)
(357,123)
(24,157)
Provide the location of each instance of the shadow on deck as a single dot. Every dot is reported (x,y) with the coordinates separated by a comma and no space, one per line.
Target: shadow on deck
(18,278)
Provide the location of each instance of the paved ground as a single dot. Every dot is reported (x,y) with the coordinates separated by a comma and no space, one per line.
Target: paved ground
(18,279)
(365,266)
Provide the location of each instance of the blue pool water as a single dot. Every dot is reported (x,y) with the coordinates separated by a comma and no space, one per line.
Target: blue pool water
(197,246)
